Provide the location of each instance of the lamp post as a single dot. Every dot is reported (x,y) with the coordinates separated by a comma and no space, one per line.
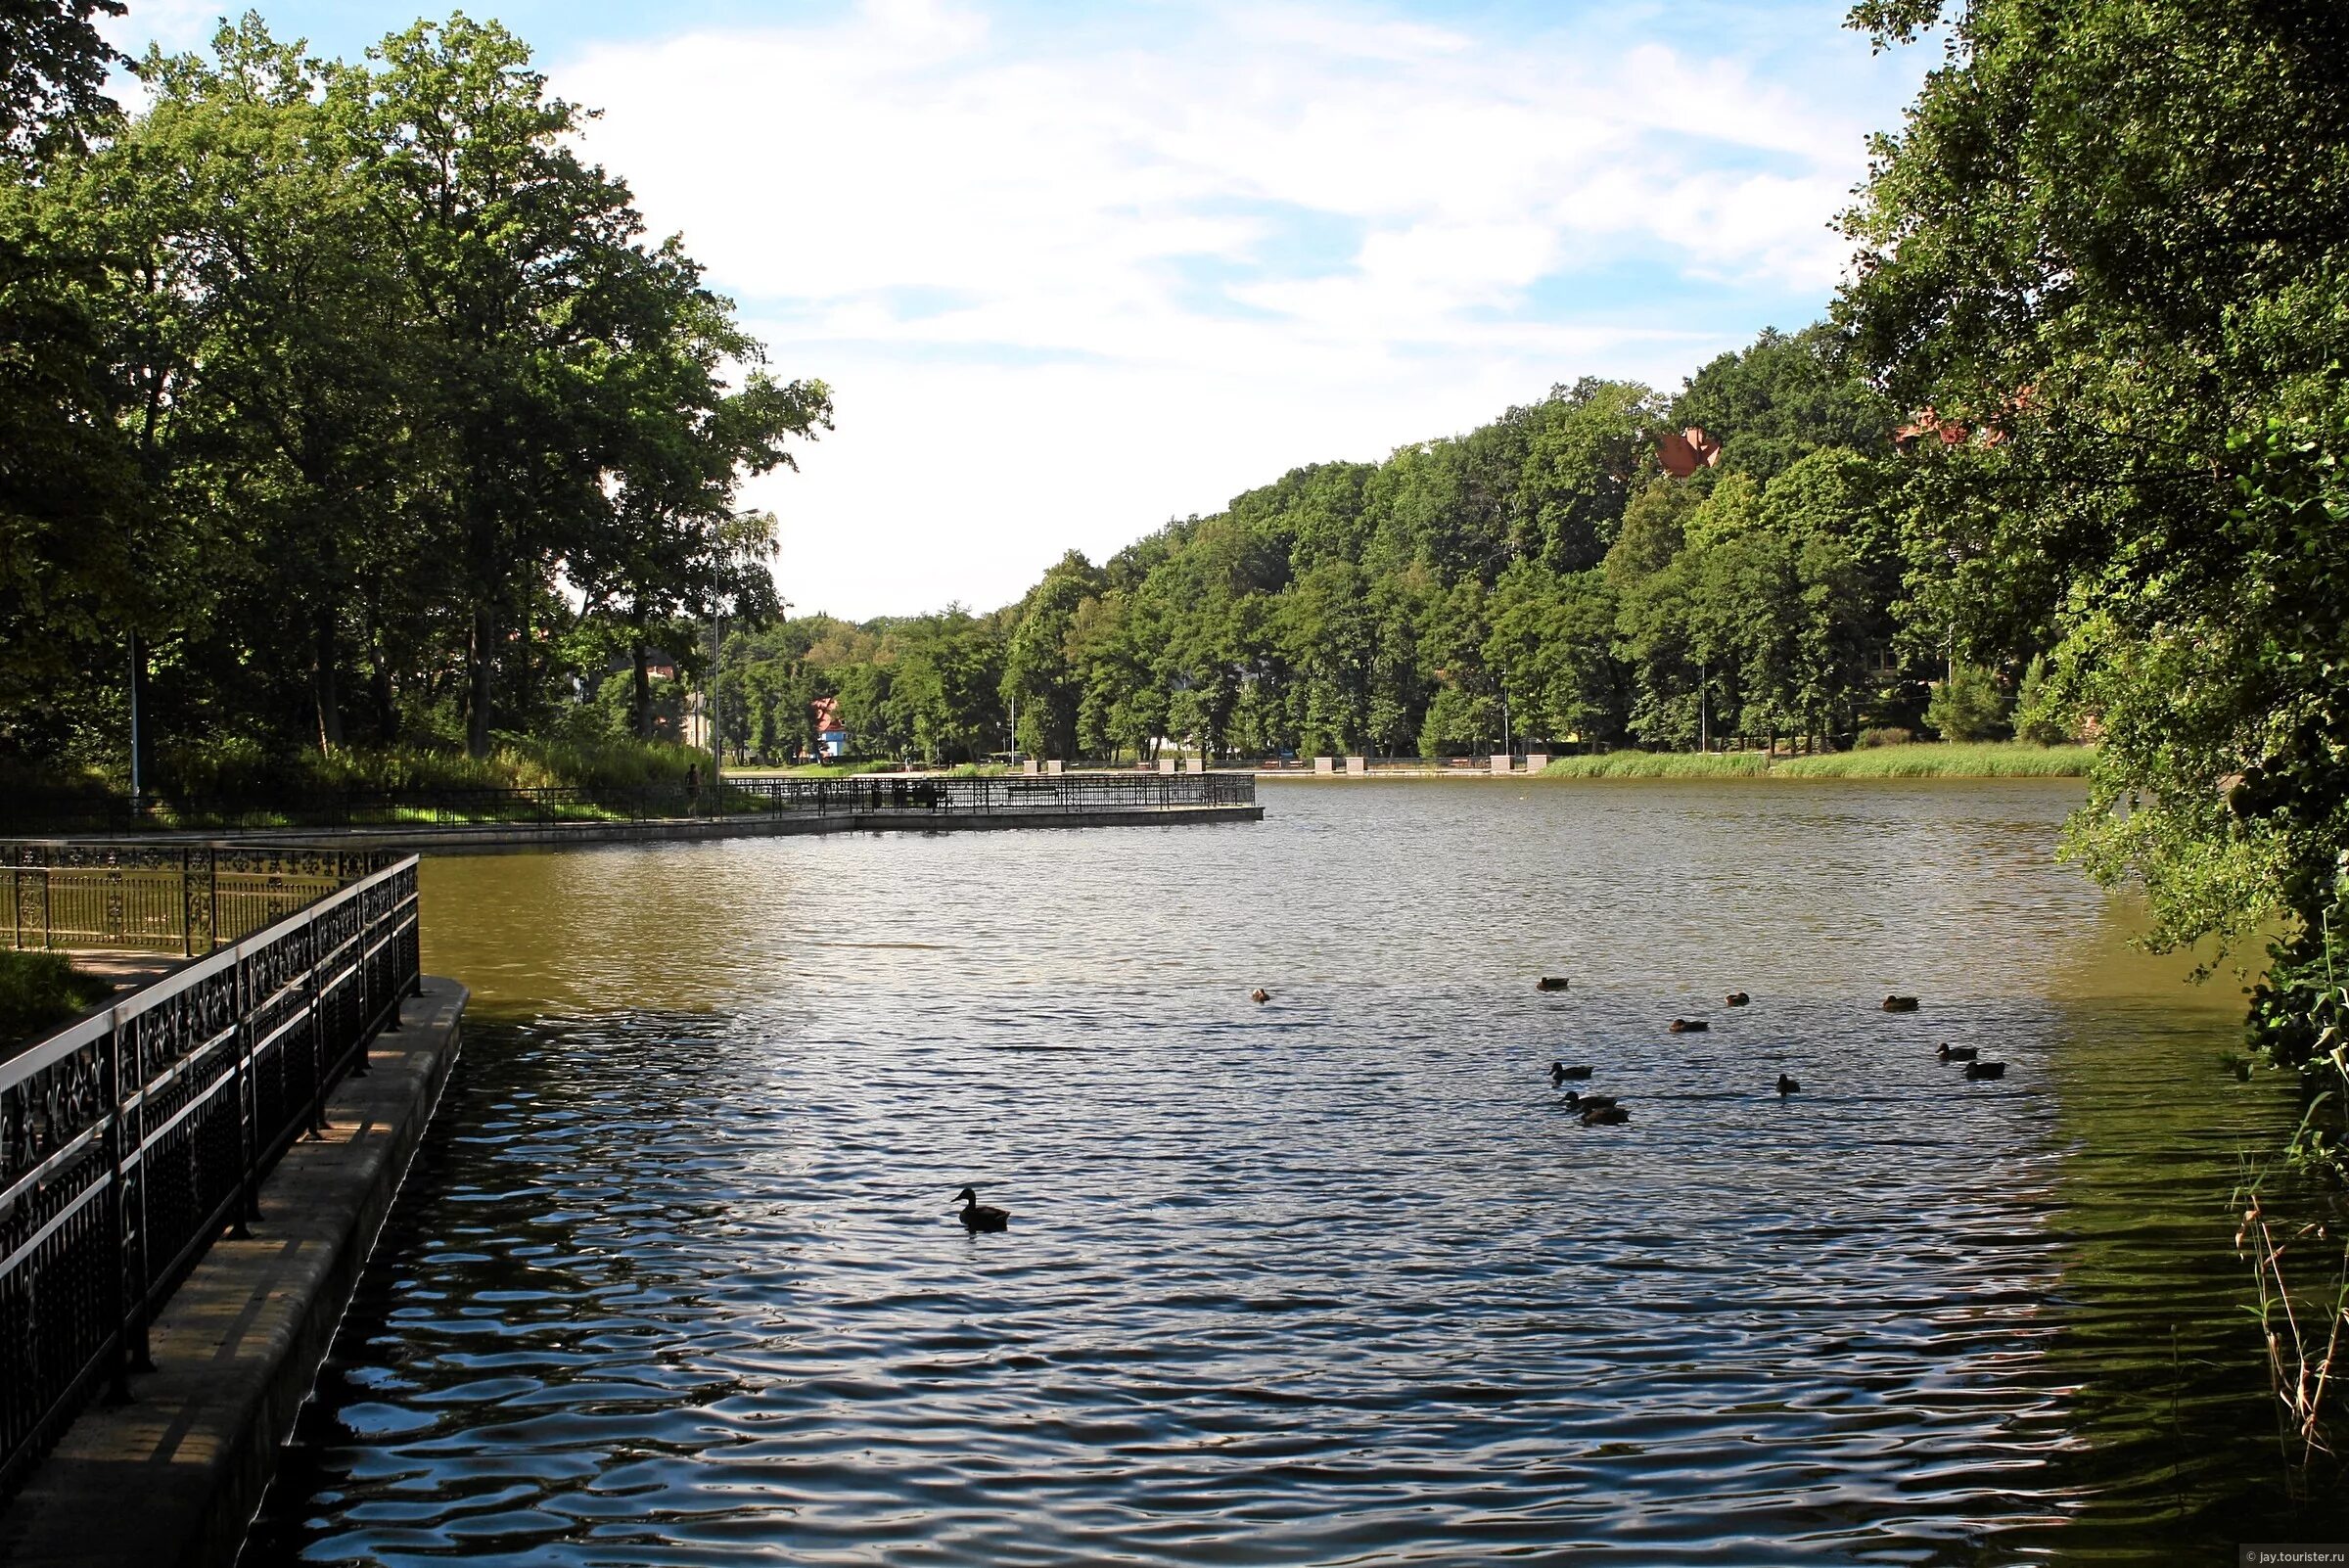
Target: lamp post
(718,745)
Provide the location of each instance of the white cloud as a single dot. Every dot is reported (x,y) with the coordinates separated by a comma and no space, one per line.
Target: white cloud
(1065,289)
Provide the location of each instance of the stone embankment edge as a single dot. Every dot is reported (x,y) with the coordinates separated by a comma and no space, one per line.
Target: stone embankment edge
(750,825)
(173,1479)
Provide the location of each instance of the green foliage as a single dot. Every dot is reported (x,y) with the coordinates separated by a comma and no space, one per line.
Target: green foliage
(2104,262)
(38,989)
(1945,761)
(1660,765)
(2039,708)
(1968,706)
(240,767)
(360,398)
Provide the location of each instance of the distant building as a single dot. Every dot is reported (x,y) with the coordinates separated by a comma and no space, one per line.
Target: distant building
(831,740)
(1684,452)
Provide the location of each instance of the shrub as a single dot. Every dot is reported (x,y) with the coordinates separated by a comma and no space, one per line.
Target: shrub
(1968,706)
(41,989)
(2039,709)
(1893,736)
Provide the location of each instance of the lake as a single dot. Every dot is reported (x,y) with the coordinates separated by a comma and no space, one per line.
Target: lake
(677,1278)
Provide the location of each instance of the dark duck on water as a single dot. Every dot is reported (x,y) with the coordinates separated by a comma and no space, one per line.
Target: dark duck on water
(1559,1072)
(977,1215)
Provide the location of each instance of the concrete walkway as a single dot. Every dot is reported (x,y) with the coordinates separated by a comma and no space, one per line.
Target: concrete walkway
(494,836)
(173,1479)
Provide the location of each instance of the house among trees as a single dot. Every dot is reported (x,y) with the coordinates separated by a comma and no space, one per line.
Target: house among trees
(1684,452)
(831,738)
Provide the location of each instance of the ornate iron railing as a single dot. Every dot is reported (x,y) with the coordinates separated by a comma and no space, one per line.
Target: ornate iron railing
(131,1139)
(183,898)
(922,792)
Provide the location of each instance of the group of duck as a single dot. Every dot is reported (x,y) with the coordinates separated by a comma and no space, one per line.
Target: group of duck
(1595,1110)
(1605,1110)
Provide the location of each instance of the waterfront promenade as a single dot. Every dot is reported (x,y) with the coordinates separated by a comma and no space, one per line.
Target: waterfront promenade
(172,1478)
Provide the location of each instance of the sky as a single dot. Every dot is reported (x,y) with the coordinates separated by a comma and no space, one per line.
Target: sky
(1071,269)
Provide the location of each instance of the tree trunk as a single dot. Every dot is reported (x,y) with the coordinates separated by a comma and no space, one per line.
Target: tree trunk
(640,702)
(482,676)
(323,686)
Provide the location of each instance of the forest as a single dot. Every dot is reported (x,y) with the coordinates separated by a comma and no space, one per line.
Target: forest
(348,408)
(359,428)
(1541,580)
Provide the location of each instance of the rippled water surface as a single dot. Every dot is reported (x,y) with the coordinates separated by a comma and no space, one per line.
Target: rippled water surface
(677,1278)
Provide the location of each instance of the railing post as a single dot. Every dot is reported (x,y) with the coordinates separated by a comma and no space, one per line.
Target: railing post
(249,1107)
(117,1216)
(359,1060)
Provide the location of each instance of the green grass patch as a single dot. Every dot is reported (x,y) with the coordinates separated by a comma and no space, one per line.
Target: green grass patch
(38,989)
(1924,759)
(1659,764)
(1946,760)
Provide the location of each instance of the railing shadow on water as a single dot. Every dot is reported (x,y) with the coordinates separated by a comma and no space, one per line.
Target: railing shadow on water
(133,1137)
(1078,792)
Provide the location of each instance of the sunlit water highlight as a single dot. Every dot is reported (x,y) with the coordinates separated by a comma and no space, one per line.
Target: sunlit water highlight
(1329,1280)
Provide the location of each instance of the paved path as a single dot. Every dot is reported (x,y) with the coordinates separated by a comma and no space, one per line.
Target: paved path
(172,1479)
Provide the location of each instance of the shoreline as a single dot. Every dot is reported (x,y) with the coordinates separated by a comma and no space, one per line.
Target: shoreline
(1881,765)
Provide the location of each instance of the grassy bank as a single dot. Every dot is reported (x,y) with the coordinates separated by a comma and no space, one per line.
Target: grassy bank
(41,989)
(1660,765)
(1927,760)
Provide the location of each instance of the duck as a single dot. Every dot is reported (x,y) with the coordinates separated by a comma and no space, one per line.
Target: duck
(1609,1114)
(1957,1053)
(1550,982)
(1688,1026)
(1587,1103)
(1260,995)
(1559,1072)
(1788,1085)
(1900,1004)
(1982,1070)
(977,1215)
(1736,998)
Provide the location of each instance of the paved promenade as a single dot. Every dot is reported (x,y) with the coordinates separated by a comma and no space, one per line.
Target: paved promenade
(173,1479)
(493,836)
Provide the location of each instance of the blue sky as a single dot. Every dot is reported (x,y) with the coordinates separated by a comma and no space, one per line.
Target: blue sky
(1073,269)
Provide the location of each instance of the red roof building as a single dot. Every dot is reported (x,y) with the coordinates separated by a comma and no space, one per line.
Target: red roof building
(1684,452)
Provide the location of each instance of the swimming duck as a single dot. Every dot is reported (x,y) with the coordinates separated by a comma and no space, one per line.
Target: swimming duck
(1786,1086)
(1982,1070)
(1900,1004)
(1587,1103)
(1609,1115)
(1260,995)
(1957,1053)
(1550,982)
(1736,998)
(1559,1072)
(1688,1026)
(977,1215)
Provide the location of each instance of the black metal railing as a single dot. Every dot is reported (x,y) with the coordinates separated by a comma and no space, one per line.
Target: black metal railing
(131,1139)
(179,897)
(920,792)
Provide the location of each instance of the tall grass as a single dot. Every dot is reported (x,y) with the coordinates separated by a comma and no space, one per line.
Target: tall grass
(1659,764)
(514,761)
(1936,760)
(1946,760)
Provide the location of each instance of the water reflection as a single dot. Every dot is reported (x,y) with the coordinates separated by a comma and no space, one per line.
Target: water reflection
(1328,1280)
